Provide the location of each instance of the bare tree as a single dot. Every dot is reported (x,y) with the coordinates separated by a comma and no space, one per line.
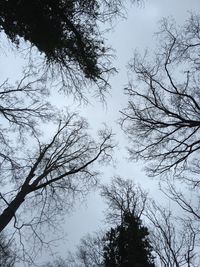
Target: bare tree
(162,121)
(22,104)
(162,118)
(23,107)
(175,241)
(42,177)
(187,197)
(53,170)
(89,252)
(123,196)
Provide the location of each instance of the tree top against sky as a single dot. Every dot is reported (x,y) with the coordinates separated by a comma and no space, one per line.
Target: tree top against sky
(66,32)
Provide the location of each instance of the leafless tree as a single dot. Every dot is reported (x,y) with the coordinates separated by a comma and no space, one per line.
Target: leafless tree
(187,197)
(89,252)
(22,104)
(162,118)
(41,177)
(23,107)
(123,196)
(175,241)
(162,121)
(53,173)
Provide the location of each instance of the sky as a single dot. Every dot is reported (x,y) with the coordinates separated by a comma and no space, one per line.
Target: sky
(135,32)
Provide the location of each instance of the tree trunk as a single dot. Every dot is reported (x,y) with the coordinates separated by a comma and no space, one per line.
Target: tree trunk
(10,211)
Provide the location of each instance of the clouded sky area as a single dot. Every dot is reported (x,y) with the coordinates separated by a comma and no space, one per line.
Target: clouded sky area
(135,32)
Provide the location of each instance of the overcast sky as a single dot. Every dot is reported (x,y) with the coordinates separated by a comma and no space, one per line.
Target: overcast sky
(136,32)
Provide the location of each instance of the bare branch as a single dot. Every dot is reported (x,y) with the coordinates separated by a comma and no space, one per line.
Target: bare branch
(175,241)
(162,119)
(123,197)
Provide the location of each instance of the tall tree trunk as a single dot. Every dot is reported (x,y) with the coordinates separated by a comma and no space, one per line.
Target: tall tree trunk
(10,211)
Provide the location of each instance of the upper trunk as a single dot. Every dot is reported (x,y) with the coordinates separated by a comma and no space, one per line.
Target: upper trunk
(10,211)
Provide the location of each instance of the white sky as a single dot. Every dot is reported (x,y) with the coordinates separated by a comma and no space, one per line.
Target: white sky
(134,33)
(137,32)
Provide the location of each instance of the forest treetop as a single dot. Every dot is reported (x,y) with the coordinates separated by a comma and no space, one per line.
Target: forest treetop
(66,32)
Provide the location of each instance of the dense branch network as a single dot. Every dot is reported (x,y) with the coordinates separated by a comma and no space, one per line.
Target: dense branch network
(174,240)
(59,166)
(162,118)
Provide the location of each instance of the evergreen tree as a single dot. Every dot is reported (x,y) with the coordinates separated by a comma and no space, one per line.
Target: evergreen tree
(127,245)
(66,32)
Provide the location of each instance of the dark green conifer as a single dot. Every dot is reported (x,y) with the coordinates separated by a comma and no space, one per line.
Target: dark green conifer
(127,245)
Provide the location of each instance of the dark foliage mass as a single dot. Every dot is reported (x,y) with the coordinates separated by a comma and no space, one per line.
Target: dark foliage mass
(65,31)
(127,242)
(145,235)
(54,28)
(127,245)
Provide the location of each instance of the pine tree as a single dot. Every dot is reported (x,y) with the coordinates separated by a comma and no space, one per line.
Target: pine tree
(66,32)
(127,245)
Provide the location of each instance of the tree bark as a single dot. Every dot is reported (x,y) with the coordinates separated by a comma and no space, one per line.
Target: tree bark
(9,213)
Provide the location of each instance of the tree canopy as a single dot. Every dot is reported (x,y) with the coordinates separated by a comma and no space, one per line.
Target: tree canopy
(162,122)
(43,175)
(150,235)
(66,32)
(127,243)
(162,117)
